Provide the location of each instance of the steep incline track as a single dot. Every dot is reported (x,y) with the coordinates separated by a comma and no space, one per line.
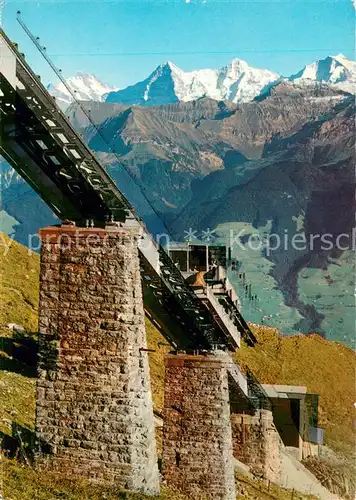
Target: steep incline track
(39,142)
(43,147)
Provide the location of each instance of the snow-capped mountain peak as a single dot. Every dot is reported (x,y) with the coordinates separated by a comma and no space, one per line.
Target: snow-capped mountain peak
(342,59)
(335,70)
(172,66)
(238,65)
(237,82)
(242,83)
(85,86)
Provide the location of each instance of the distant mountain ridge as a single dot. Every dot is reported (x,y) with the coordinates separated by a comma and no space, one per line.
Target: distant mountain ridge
(85,86)
(335,70)
(237,82)
(281,162)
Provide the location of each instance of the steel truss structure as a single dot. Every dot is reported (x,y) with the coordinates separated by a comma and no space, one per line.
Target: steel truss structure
(39,142)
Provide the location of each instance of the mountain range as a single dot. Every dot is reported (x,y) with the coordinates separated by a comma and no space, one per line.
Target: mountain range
(84,86)
(279,164)
(237,82)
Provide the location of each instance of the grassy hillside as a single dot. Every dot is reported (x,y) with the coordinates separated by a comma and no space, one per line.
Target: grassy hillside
(23,483)
(325,367)
(157,342)
(19,271)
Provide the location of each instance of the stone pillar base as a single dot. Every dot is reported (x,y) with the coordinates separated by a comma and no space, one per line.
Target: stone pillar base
(256,443)
(197,438)
(94,415)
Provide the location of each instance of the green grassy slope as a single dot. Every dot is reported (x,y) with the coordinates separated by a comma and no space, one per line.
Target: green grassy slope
(19,271)
(24,483)
(326,368)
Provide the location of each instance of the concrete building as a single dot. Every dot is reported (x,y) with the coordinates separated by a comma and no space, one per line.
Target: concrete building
(295,415)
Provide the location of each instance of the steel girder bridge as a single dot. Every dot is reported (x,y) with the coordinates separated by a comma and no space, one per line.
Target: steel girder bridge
(39,142)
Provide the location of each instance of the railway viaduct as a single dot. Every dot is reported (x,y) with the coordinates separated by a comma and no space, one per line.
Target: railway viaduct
(100,272)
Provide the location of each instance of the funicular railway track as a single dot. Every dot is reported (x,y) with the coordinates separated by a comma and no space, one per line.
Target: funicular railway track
(39,142)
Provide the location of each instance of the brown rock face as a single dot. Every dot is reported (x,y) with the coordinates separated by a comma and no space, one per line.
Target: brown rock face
(166,148)
(287,157)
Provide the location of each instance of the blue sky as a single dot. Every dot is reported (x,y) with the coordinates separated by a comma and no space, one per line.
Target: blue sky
(123,41)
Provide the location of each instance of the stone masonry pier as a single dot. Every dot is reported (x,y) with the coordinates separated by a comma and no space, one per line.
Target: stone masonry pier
(256,443)
(94,415)
(197,437)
